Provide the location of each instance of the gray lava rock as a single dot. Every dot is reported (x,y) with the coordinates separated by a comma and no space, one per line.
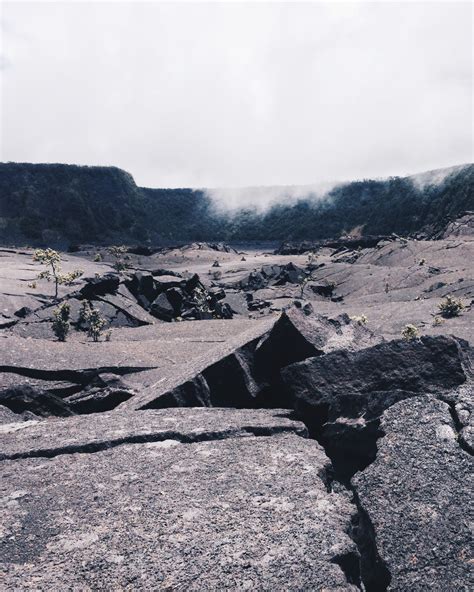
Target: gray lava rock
(418,493)
(203,503)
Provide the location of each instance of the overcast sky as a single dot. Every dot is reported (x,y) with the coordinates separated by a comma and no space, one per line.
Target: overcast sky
(218,94)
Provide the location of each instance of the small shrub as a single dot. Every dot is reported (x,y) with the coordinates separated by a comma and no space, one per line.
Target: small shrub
(304,283)
(108,335)
(52,260)
(422,261)
(438,321)
(61,321)
(450,307)
(96,325)
(69,278)
(97,257)
(410,333)
(119,254)
(360,320)
(91,319)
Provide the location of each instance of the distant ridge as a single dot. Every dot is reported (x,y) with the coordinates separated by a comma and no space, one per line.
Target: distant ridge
(59,203)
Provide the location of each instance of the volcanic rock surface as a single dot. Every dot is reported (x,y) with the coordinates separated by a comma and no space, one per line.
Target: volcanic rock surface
(259,424)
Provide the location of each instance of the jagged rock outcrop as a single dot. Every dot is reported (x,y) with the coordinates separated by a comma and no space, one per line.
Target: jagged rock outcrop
(273,275)
(342,395)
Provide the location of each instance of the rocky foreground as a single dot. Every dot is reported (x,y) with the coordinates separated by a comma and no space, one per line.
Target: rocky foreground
(255,421)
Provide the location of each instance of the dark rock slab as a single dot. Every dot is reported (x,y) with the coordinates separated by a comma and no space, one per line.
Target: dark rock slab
(227,364)
(142,284)
(210,504)
(418,493)
(129,307)
(26,398)
(366,382)
(162,308)
(237,302)
(297,336)
(342,395)
(99,286)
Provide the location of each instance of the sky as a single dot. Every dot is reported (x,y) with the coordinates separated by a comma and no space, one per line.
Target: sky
(238,94)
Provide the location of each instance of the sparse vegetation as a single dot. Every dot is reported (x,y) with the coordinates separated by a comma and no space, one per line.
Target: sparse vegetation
(304,283)
(91,319)
(312,258)
(119,254)
(61,321)
(360,319)
(52,260)
(410,332)
(450,307)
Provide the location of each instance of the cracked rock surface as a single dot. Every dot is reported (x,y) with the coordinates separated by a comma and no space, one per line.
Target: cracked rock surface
(299,445)
(418,492)
(231,512)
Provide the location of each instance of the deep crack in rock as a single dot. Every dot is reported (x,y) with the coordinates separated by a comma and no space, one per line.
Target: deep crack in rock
(91,447)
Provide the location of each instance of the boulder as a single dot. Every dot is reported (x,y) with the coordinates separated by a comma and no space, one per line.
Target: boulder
(100,285)
(343,394)
(142,284)
(162,308)
(297,336)
(165,282)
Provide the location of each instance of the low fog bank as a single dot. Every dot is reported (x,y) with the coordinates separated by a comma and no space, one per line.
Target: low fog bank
(229,200)
(261,199)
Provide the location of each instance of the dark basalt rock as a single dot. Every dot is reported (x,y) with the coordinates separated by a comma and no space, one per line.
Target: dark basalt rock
(34,400)
(162,308)
(192,499)
(366,382)
(23,312)
(99,286)
(98,400)
(343,394)
(217,293)
(297,336)
(273,275)
(142,284)
(325,290)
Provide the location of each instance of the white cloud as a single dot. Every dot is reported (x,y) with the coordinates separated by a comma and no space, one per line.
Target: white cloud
(238,94)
